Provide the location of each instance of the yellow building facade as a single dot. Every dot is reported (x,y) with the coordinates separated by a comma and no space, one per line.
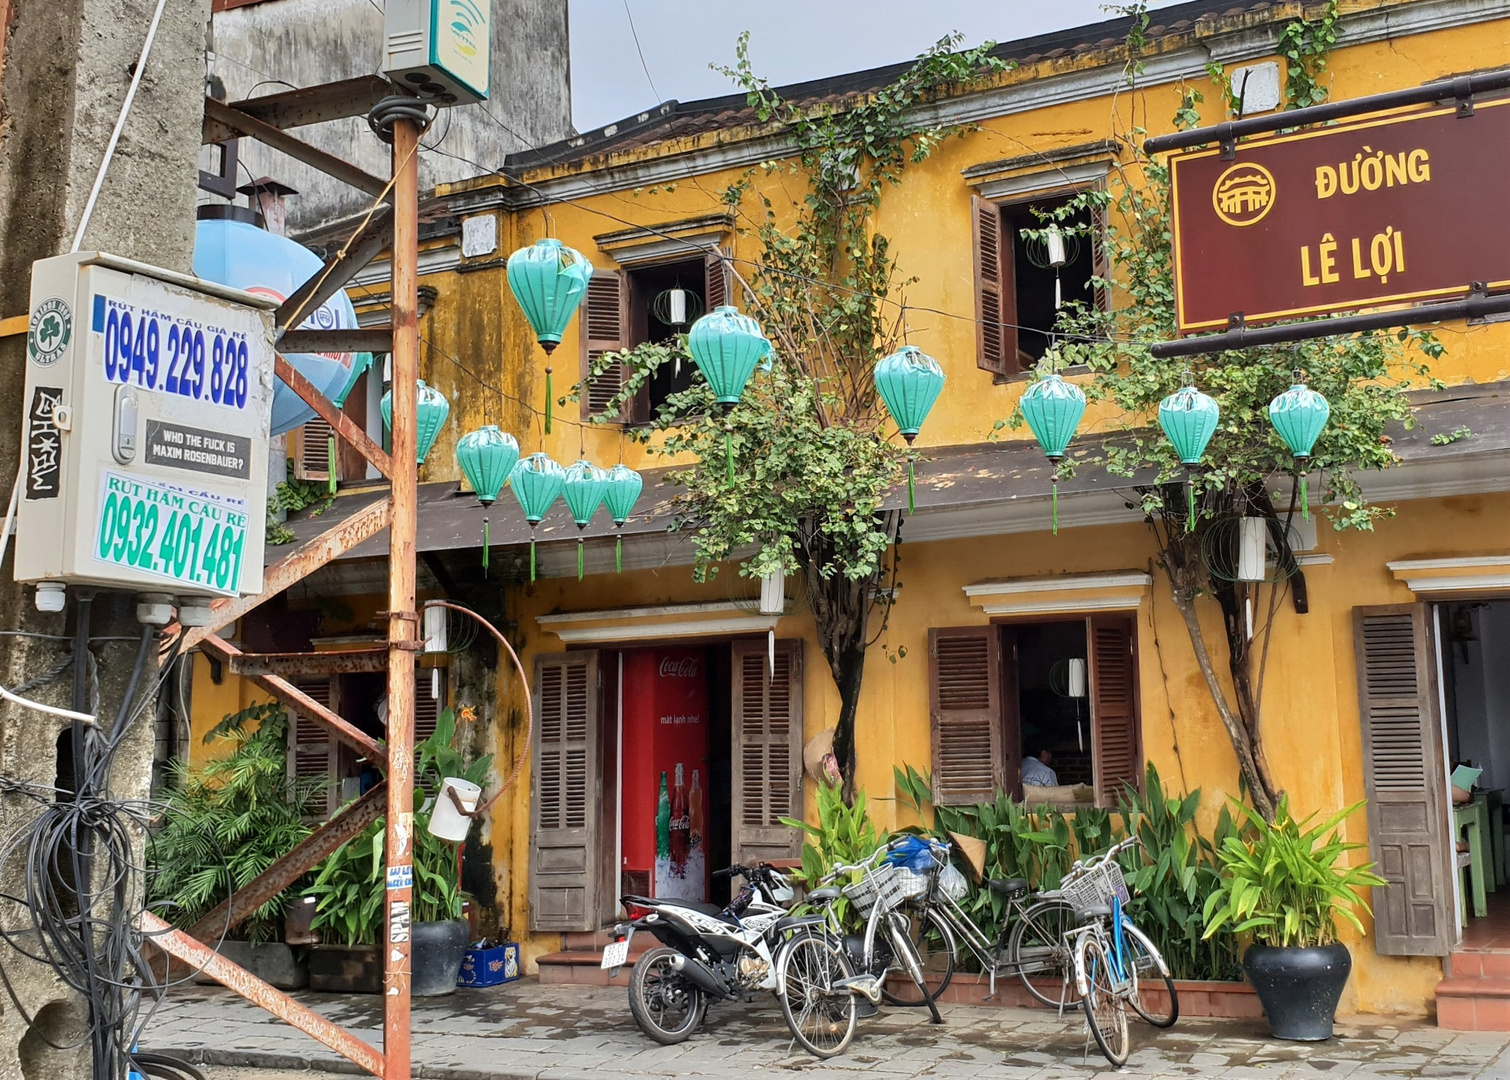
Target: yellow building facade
(988,589)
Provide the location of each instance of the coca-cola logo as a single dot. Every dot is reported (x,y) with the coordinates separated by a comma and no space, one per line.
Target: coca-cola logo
(679,668)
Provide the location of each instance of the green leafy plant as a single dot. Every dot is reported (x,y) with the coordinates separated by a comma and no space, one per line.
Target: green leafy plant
(228,820)
(1284,884)
(1305,45)
(291,495)
(1173,876)
(844,833)
(349,886)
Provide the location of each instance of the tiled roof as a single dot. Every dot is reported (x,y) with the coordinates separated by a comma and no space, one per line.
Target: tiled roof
(681,119)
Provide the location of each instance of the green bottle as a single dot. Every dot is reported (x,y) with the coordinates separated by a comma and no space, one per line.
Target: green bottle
(663,823)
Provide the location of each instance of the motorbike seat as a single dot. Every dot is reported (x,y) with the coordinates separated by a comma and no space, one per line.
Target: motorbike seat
(1009,887)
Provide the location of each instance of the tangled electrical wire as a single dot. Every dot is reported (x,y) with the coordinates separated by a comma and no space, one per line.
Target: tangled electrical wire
(75,869)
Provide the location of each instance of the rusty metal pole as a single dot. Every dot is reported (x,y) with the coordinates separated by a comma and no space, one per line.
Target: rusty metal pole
(402,619)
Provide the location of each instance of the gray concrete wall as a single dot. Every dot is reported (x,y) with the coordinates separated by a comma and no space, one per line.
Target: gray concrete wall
(259,48)
(67,67)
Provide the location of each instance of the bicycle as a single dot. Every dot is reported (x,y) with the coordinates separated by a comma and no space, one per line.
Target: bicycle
(885,946)
(1108,953)
(1031,943)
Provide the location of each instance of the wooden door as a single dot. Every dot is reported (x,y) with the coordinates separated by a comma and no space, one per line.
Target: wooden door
(767,752)
(1405,779)
(1113,671)
(565,788)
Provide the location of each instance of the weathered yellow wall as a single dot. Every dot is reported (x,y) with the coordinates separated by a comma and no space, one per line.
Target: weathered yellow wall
(1311,719)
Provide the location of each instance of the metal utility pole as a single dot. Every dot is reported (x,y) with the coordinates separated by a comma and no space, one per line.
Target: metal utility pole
(403,621)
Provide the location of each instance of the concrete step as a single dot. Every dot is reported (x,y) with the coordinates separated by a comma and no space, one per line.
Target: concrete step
(583,967)
(1474,963)
(1473,1002)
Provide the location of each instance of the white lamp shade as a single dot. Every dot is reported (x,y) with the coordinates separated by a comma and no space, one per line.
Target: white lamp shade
(773,593)
(1075,678)
(1253,535)
(1053,241)
(435,630)
(678,301)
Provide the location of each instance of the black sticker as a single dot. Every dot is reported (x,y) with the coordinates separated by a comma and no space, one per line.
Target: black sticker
(44,445)
(198,451)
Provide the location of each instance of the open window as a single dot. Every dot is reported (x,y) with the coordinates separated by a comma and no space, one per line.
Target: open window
(629,307)
(1046,711)
(1018,289)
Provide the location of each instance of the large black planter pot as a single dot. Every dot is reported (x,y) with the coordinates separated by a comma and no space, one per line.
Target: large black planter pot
(438,950)
(1299,988)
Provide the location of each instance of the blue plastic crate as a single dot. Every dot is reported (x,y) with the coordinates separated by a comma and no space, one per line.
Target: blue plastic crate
(490,967)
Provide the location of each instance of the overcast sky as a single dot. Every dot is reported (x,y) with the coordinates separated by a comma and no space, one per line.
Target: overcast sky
(790,41)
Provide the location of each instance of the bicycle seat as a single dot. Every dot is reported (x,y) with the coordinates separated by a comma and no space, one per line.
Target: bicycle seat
(1011,888)
(1095,911)
(822,896)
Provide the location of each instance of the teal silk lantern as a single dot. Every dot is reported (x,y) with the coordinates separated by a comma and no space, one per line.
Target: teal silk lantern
(909,382)
(549,280)
(584,490)
(486,457)
(431,411)
(1052,408)
(537,482)
(1189,419)
(1298,415)
(622,491)
(727,346)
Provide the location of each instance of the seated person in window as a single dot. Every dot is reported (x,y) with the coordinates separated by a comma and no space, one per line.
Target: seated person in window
(1036,771)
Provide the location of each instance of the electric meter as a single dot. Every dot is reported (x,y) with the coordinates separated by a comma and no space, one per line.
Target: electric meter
(148,399)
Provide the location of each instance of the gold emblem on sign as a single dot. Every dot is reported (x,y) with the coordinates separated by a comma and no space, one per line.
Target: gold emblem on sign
(1243,194)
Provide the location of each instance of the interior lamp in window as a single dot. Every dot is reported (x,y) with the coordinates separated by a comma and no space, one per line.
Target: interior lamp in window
(1053,249)
(584,488)
(537,482)
(486,457)
(621,492)
(1189,419)
(1299,415)
(548,279)
(1052,409)
(909,382)
(676,306)
(431,411)
(1067,678)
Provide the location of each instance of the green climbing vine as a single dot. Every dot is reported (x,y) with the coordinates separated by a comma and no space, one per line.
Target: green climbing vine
(1305,46)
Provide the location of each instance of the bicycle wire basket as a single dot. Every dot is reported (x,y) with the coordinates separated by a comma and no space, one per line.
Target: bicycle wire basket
(1096,887)
(887,885)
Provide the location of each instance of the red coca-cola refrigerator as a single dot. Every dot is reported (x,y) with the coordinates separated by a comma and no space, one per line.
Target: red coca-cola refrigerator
(665,755)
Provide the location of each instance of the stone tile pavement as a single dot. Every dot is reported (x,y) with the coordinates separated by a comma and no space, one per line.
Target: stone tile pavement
(525,1031)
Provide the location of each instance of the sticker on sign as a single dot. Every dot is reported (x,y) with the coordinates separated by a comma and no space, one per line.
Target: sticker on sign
(179,534)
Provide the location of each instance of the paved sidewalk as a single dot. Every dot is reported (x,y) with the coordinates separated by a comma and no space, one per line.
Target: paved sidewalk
(525,1031)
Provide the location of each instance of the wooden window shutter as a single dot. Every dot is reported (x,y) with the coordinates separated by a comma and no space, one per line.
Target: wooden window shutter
(605,328)
(964,690)
(767,751)
(565,780)
(1114,707)
(312,455)
(1101,266)
(996,343)
(426,708)
(1404,779)
(716,287)
(312,749)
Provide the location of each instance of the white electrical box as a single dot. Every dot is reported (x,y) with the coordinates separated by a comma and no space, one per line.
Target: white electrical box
(439,48)
(148,401)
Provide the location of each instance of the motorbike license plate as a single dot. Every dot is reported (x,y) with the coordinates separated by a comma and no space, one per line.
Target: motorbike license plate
(617,954)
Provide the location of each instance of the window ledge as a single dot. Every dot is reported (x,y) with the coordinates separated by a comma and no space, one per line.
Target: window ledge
(1024,376)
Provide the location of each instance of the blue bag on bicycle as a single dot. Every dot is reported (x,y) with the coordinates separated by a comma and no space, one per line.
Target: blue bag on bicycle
(914,853)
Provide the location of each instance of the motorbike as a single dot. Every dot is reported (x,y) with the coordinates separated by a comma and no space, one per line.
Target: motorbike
(706,954)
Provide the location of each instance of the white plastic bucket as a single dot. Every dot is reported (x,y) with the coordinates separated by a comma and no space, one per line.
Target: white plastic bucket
(446,822)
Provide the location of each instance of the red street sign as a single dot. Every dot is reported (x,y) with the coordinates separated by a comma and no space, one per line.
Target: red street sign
(1387,210)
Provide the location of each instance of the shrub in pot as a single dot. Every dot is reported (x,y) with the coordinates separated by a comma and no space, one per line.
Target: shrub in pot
(226,821)
(1284,886)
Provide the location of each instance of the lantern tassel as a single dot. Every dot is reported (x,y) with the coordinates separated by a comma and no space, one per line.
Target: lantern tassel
(729,454)
(1190,498)
(549,394)
(486,544)
(618,554)
(1054,500)
(1305,502)
(912,502)
(330,461)
(532,556)
(579,559)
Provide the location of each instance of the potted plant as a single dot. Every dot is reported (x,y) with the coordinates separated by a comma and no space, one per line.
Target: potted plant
(349,890)
(227,821)
(1284,886)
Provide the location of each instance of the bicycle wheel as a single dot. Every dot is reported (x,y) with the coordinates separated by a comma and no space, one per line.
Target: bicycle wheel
(933,939)
(909,961)
(1105,1007)
(1149,968)
(1039,953)
(663,1003)
(820,1017)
